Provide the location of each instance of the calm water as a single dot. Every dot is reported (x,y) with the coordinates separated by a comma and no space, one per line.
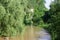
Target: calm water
(36,33)
(32,33)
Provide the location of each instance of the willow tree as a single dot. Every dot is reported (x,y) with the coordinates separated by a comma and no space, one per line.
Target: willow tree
(11,17)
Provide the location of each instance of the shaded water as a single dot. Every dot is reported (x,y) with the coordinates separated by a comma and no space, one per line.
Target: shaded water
(32,33)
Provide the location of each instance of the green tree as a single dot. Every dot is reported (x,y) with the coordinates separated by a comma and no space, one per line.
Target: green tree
(11,17)
(54,28)
(39,9)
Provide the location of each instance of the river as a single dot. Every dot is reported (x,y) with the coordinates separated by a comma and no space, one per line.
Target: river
(32,33)
(36,33)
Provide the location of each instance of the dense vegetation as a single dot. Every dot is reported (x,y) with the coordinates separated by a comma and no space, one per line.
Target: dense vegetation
(52,17)
(55,20)
(11,17)
(38,11)
(15,13)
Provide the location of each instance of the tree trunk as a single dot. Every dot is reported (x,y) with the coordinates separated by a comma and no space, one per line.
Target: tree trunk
(6,38)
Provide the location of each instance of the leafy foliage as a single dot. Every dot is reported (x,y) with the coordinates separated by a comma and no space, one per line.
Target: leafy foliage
(39,8)
(54,20)
(12,16)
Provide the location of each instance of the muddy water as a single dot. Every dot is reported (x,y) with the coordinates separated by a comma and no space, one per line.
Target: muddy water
(31,33)
(36,33)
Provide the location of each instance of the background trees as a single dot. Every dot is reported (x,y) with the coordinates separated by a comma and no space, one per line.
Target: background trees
(39,9)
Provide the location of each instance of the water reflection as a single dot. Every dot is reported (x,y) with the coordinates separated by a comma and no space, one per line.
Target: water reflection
(43,35)
(36,34)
